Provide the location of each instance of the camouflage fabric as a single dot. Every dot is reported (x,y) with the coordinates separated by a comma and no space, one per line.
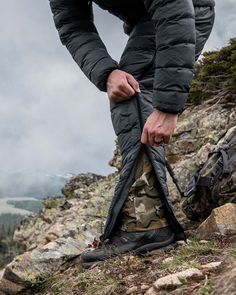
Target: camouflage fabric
(214,184)
(143,209)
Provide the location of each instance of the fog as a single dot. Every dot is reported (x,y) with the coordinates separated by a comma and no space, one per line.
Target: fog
(52,119)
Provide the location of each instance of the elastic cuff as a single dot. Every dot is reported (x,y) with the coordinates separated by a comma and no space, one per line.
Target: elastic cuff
(102,85)
(163,110)
(171,102)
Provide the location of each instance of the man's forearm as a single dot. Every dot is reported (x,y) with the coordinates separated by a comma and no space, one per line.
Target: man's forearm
(74,22)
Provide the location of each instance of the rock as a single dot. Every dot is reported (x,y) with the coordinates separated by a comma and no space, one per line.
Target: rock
(116,160)
(51,236)
(168,259)
(203,242)
(131,290)
(81,181)
(27,268)
(120,276)
(131,277)
(212,266)
(82,221)
(145,287)
(167,283)
(8,287)
(221,221)
(202,154)
(225,282)
(172,281)
(151,291)
(181,243)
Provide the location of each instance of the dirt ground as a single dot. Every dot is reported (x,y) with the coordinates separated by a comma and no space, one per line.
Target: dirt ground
(119,275)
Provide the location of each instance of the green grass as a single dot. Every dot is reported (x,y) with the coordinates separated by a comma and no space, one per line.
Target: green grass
(187,256)
(89,283)
(42,284)
(232,251)
(206,289)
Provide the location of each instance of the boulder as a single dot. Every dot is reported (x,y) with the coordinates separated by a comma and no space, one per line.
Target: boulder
(7,287)
(30,267)
(80,214)
(221,221)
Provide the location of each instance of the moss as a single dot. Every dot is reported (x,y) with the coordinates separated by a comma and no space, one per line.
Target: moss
(51,203)
(30,277)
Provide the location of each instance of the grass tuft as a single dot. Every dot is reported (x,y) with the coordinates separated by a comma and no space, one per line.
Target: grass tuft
(232,251)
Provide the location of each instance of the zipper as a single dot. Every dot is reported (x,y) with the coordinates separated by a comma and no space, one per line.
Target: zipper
(118,203)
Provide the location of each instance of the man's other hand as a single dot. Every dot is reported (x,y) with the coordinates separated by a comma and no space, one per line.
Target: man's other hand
(158,128)
(121,86)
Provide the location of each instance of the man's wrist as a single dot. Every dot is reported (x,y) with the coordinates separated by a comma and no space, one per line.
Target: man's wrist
(108,75)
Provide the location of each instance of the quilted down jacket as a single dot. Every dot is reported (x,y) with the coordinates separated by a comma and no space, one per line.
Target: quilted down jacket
(165,39)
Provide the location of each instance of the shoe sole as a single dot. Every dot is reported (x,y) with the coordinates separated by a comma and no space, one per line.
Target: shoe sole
(154,246)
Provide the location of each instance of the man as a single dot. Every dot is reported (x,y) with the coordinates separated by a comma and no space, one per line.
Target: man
(147,90)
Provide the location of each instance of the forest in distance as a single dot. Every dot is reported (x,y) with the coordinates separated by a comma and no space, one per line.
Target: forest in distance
(9,220)
(8,248)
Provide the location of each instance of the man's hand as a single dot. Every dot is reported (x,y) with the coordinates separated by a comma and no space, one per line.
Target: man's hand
(121,86)
(159,127)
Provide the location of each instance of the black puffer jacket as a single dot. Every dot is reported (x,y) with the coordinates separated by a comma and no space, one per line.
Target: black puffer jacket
(175,42)
(166,37)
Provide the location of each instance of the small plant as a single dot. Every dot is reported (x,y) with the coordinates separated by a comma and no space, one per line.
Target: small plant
(189,255)
(91,284)
(216,71)
(41,283)
(232,251)
(206,289)
(50,203)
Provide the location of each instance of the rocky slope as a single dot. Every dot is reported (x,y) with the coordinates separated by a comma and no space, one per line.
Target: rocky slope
(206,264)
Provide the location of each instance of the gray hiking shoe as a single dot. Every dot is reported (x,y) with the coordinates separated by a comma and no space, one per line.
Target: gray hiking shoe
(134,242)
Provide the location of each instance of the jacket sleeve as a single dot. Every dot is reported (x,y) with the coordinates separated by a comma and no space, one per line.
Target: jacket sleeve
(74,22)
(204,21)
(175,52)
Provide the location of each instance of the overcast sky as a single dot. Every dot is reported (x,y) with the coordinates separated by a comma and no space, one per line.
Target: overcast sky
(52,118)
